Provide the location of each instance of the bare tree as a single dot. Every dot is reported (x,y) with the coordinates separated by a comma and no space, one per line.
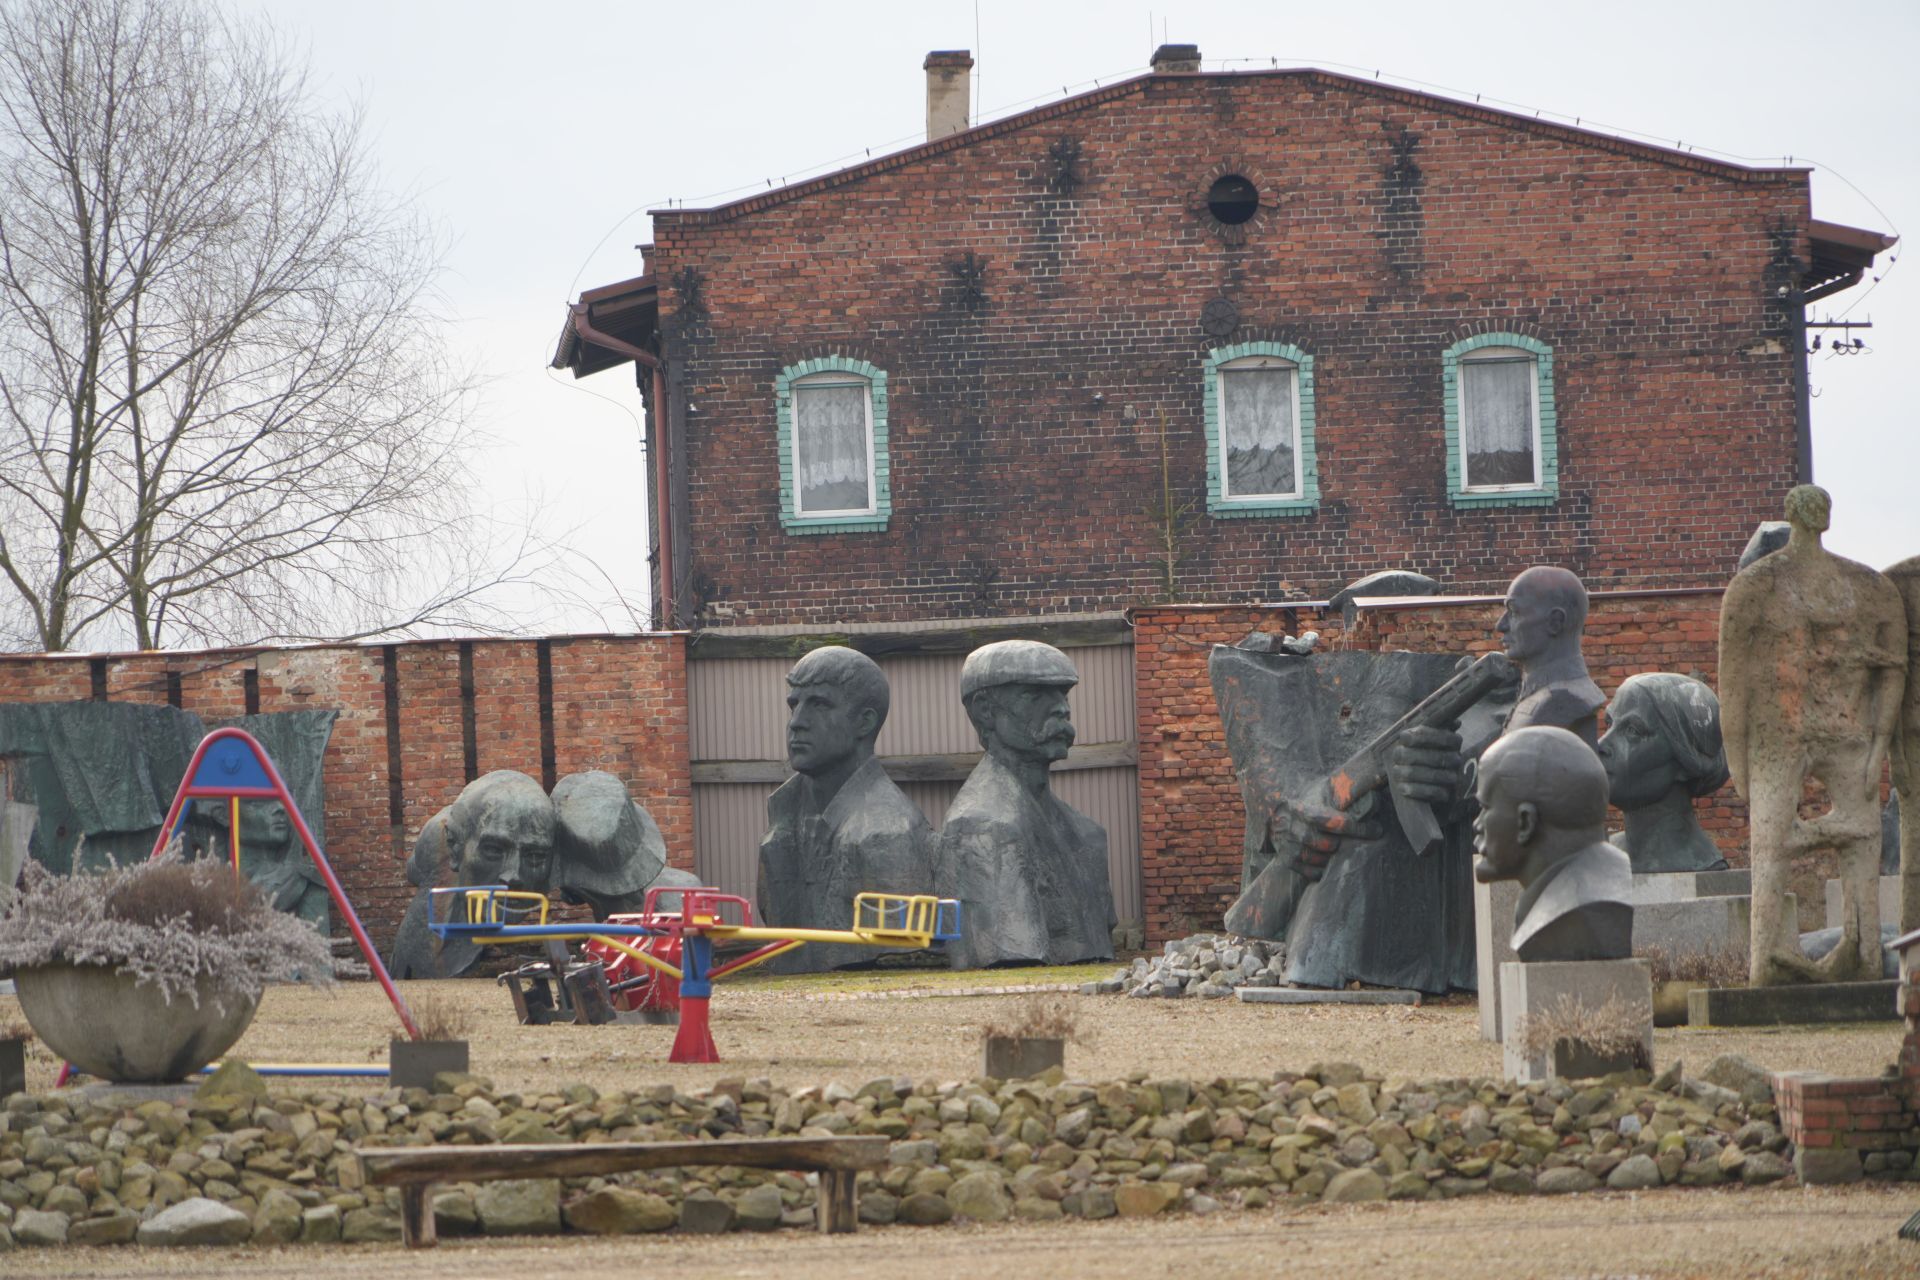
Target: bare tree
(226,411)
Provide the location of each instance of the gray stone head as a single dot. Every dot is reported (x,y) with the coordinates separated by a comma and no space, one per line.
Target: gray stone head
(837,700)
(1809,508)
(265,824)
(1663,731)
(1543,798)
(1546,610)
(500,831)
(1015,692)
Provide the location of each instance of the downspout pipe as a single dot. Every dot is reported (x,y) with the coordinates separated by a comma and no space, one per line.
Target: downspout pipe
(663,511)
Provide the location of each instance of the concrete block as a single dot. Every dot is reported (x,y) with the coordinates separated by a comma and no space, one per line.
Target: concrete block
(1889,901)
(1786,1006)
(1711,925)
(1683,886)
(1529,990)
(1318,995)
(1493,907)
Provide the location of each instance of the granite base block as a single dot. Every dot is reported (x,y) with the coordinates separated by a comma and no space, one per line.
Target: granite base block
(1318,995)
(1694,926)
(1493,908)
(1787,1006)
(1539,990)
(1685,886)
(1889,901)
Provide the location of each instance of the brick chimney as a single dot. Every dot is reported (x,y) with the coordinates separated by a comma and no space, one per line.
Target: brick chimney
(1177,57)
(948,91)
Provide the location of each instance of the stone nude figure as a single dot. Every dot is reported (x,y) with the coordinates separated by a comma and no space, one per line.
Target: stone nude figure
(1662,750)
(1813,653)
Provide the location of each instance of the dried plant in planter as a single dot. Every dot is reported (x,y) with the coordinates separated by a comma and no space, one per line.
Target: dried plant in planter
(440,1018)
(1038,1018)
(1612,1029)
(1716,968)
(12,1030)
(165,922)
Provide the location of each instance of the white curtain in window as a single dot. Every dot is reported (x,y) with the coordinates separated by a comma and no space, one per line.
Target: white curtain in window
(831,426)
(1258,408)
(1498,426)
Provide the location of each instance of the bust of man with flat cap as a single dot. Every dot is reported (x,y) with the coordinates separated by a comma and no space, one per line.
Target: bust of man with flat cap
(1030,872)
(839,826)
(1542,821)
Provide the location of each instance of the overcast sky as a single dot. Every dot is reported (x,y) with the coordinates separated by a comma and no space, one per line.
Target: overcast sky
(539,135)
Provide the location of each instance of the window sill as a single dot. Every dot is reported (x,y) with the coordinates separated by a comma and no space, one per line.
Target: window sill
(835,524)
(1254,508)
(1544,497)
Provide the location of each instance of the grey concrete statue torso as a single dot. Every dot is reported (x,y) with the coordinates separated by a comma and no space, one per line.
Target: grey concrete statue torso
(1030,872)
(839,826)
(867,838)
(1578,910)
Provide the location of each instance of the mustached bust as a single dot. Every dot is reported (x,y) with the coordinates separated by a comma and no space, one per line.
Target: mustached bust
(1542,821)
(1029,870)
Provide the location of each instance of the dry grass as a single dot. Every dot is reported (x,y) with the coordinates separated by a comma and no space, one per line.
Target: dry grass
(1607,1030)
(1718,968)
(440,1016)
(1039,1017)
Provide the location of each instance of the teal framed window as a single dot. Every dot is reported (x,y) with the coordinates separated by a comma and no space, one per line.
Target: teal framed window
(1259,422)
(834,472)
(1503,440)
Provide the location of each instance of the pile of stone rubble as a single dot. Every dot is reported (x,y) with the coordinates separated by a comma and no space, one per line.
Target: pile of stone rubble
(279,1167)
(1210,965)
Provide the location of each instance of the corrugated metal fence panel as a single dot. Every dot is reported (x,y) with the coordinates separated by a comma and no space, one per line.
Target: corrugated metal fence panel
(737,709)
(728,821)
(1111,797)
(738,706)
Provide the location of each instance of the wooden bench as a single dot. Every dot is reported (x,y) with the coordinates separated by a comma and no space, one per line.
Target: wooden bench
(416,1170)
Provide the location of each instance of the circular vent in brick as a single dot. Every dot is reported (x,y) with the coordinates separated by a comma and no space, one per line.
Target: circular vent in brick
(1233,199)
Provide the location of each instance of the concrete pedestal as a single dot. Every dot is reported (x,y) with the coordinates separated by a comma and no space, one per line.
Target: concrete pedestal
(1537,990)
(1700,925)
(1684,886)
(1889,901)
(1493,907)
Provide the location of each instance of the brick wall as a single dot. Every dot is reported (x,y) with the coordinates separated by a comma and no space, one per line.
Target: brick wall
(617,703)
(1191,817)
(1842,1127)
(1027,416)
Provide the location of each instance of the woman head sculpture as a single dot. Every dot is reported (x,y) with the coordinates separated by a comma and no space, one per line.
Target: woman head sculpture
(1661,750)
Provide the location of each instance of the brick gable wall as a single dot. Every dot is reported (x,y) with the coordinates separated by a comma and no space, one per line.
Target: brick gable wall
(1027,415)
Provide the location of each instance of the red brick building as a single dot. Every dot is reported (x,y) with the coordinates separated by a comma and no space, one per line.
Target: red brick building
(1226,337)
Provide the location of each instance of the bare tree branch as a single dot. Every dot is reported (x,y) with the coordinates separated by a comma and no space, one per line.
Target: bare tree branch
(227,413)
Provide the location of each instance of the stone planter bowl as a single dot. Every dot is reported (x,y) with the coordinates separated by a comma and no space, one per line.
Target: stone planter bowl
(108,1025)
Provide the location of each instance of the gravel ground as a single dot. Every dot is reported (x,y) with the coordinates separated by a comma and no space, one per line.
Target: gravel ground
(804,1031)
(1723,1234)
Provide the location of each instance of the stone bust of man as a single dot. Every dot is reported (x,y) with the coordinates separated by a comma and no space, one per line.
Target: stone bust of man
(1030,872)
(839,826)
(1542,821)
(498,830)
(1546,613)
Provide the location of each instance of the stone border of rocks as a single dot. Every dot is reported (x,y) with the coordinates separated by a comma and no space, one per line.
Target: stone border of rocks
(278,1167)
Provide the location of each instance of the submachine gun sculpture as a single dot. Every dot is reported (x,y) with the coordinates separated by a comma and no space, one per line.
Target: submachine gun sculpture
(1275,892)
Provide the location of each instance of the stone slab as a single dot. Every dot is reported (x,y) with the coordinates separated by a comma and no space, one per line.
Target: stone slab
(1787,1006)
(1534,989)
(1710,925)
(1683,886)
(1317,995)
(1889,901)
(1493,908)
